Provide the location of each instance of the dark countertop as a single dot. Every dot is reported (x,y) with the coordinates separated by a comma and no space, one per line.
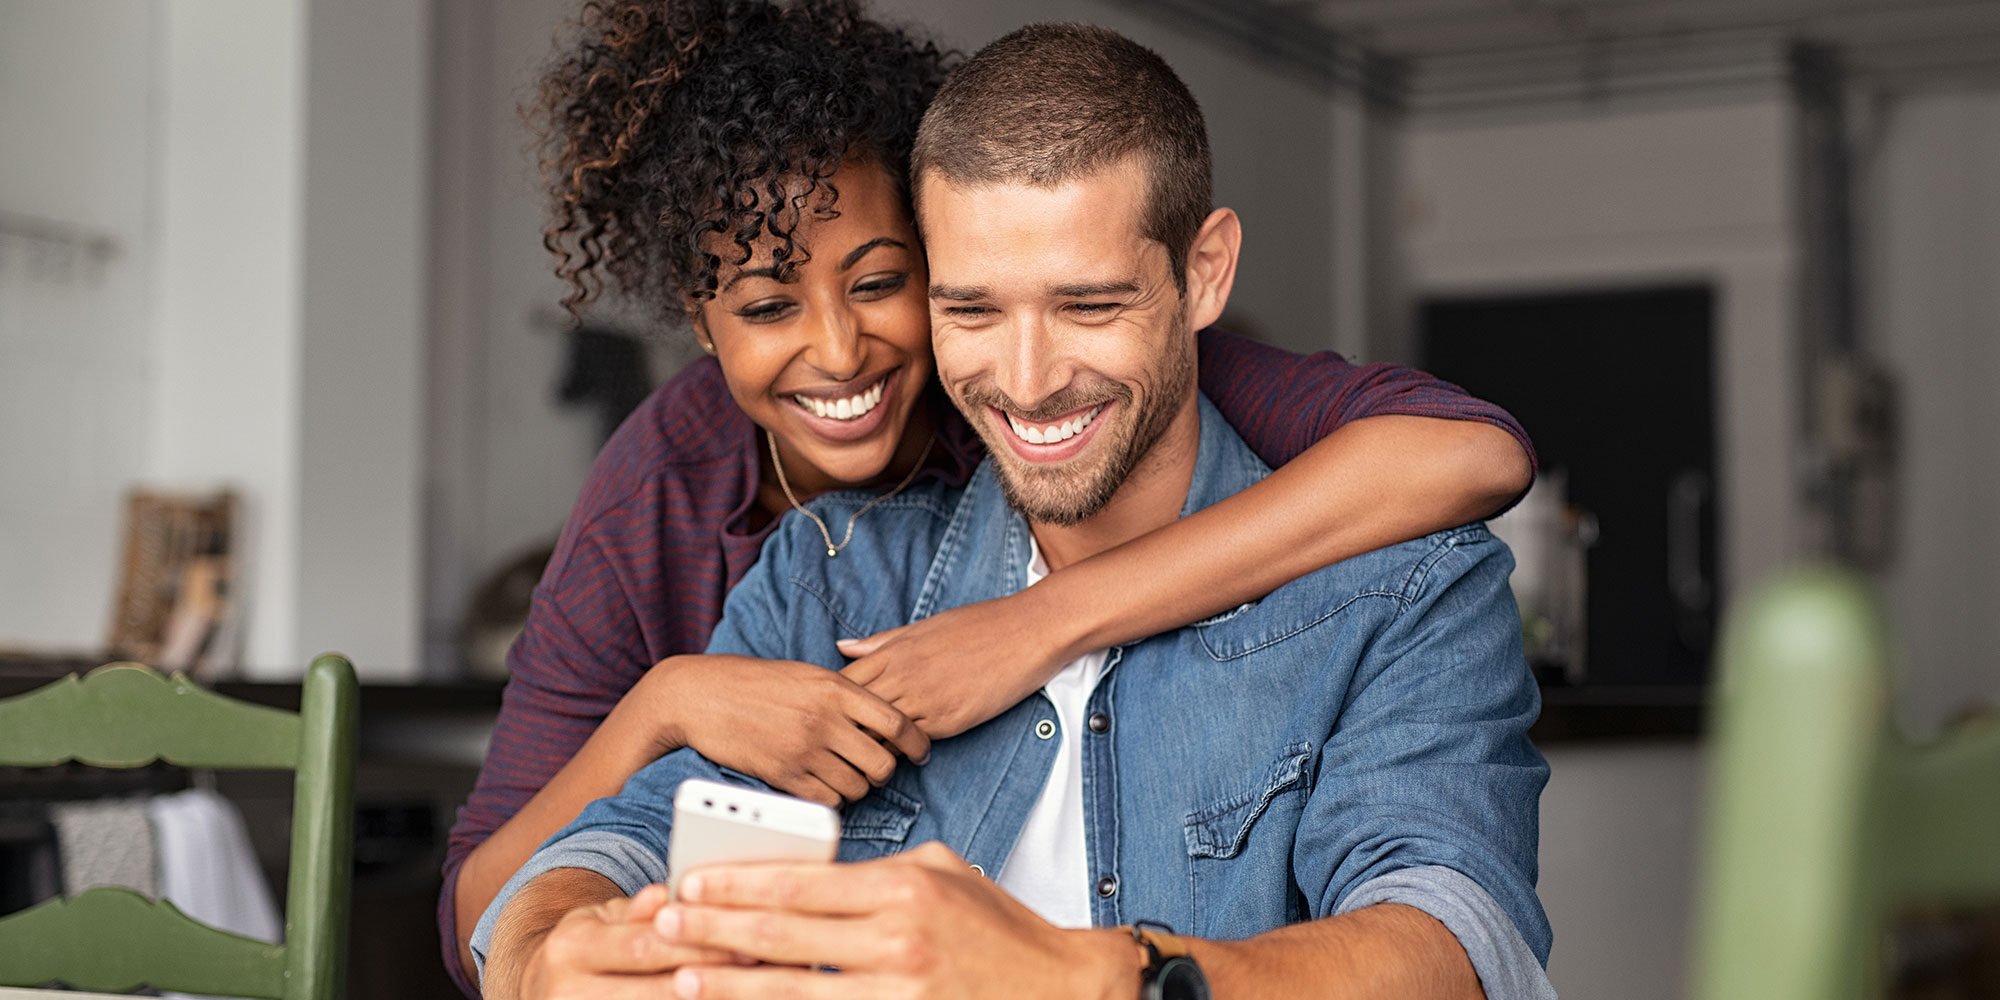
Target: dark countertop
(1569,715)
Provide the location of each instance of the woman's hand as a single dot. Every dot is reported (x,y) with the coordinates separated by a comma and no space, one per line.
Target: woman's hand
(959,668)
(803,730)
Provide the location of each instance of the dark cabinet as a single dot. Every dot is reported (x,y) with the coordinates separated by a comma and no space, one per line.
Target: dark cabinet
(1617,389)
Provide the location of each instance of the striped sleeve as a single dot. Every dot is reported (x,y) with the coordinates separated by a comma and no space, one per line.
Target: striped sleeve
(563,681)
(1283,403)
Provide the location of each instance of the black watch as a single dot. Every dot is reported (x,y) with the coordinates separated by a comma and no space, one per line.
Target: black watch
(1171,972)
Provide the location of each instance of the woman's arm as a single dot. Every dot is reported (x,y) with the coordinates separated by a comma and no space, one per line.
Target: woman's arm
(1375,476)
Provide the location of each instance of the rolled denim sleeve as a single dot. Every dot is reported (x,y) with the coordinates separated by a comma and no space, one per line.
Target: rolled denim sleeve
(1507,967)
(624,838)
(1430,765)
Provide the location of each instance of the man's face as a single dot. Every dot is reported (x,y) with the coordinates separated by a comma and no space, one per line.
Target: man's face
(1059,332)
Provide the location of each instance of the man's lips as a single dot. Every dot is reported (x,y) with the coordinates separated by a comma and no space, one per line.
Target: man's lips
(1052,440)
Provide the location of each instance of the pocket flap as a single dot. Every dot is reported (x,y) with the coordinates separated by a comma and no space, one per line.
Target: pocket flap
(1219,830)
(886,814)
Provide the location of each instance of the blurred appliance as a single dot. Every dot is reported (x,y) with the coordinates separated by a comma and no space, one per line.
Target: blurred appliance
(1615,545)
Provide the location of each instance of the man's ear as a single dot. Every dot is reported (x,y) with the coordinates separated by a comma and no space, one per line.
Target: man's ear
(1211,266)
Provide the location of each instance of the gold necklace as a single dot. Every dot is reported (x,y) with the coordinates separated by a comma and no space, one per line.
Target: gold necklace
(832,549)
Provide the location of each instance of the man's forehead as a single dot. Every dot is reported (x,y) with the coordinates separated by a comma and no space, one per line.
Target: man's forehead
(1086,230)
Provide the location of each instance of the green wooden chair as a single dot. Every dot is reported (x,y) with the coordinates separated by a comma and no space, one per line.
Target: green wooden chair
(115,940)
(1822,823)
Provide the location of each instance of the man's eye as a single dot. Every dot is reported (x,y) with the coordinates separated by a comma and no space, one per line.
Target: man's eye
(968,312)
(882,287)
(1094,308)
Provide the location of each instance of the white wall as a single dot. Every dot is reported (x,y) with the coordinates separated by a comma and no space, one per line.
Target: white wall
(1616,199)
(1932,206)
(76,358)
(263,165)
(225,320)
(363,326)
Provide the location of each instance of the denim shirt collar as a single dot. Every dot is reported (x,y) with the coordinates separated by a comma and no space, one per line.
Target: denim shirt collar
(985,550)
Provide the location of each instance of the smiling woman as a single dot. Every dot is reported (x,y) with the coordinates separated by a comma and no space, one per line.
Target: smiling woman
(830,354)
(742,165)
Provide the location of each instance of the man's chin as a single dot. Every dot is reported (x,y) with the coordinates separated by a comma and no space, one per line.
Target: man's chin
(1063,498)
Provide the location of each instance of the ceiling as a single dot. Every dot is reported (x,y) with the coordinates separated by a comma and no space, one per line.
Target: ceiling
(1444,54)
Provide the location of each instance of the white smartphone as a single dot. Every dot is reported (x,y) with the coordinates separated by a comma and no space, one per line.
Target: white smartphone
(716,823)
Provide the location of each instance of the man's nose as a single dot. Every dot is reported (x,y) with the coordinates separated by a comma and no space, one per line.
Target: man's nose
(836,345)
(1030,370)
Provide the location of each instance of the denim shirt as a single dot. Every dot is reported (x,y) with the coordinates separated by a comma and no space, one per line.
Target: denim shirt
(1357,736)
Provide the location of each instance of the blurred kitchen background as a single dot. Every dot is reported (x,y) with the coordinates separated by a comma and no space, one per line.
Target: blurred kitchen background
(277,264)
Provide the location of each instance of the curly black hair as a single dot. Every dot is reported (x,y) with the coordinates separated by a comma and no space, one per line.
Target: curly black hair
(665,121)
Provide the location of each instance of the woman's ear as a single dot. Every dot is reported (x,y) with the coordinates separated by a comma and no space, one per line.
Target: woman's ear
(699,324)
(1211,266)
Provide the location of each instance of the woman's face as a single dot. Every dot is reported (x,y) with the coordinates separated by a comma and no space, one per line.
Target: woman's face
(832,361)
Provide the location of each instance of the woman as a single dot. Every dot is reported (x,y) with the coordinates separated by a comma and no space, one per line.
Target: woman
(743,164)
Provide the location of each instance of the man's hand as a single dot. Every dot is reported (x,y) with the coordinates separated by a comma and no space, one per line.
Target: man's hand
(961,667)
(920,924)
(604,951)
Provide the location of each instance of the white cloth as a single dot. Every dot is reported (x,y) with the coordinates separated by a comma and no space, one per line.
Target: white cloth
(105,842)
(1049,868)
(207,867)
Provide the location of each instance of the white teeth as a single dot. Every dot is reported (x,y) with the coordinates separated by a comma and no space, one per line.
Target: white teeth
(1053,433)
(852,408)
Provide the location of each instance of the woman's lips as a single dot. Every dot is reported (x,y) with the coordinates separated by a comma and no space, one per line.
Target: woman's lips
(1061,439)
(872,403)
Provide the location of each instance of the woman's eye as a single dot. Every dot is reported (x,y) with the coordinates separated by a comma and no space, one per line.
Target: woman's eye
(763,312)
(881,287)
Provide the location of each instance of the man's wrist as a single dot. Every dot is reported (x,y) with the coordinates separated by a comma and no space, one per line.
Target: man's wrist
(1113,961)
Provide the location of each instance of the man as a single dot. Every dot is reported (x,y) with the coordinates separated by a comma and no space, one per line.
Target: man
(1330,789)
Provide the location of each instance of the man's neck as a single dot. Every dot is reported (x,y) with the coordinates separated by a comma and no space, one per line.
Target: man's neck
(1151,497)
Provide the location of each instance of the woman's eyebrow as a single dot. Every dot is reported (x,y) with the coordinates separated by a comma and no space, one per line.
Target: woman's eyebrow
(755,272)
(855,255)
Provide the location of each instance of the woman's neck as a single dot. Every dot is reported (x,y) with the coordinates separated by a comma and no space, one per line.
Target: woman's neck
(808,481)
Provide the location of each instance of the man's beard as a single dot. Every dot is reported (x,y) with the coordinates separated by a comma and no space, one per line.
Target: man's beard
(1070,494)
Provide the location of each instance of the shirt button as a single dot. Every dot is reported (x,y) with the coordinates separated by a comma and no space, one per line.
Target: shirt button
(1107,886)
(1045,729)
(1100,723)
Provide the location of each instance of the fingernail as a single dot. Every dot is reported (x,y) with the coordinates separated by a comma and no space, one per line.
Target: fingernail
(691,888)
(668,922)
(687,983)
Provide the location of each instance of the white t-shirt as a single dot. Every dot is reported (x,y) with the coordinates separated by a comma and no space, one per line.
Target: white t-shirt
(1049,869)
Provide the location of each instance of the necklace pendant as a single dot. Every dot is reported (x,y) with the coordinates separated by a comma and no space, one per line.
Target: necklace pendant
(831,552)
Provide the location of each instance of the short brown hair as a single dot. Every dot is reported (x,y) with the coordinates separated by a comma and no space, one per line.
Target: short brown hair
(1053,102)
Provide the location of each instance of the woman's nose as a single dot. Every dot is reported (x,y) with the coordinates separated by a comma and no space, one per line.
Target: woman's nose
(837,348)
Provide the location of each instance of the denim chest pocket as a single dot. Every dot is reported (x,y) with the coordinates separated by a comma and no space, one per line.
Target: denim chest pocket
(1239,851)
(878,825)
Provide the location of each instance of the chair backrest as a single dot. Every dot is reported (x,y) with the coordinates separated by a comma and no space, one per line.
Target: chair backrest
(115,940)
(1822,822)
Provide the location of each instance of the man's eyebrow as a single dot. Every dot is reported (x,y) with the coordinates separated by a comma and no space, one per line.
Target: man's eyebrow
(855,255)
(1092,289)
(961,293)
(755,272)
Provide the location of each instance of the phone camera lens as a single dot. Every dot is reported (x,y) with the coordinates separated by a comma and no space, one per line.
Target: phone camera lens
(708,803)
(732,808)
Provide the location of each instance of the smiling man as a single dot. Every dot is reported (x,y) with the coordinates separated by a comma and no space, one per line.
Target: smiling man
(1329,792)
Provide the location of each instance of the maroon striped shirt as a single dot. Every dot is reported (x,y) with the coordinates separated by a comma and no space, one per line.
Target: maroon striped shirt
(661,532)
